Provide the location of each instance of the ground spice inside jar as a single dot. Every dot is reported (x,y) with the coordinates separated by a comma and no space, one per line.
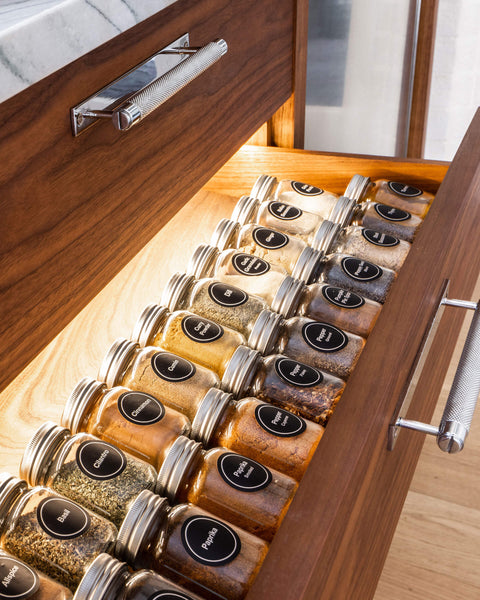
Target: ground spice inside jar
(390,220)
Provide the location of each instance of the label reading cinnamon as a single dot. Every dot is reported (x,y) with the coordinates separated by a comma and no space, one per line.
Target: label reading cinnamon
(306,189)
(242,473)
(100,461)
(17,580)
(361,270)
(140,408)
(379,239)
(246,264)
(279,422)
(209,541)
(324,337)
(391,214)
(226,295)
(342,298)
(270,239)
(62,519)
(201,330)
(405,190)
(297,373)
(171,367)
(285,212)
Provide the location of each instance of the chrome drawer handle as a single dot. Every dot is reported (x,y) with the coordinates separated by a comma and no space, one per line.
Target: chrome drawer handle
(132,97)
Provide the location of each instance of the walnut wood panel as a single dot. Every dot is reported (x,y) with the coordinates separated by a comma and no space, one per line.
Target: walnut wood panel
(75,210)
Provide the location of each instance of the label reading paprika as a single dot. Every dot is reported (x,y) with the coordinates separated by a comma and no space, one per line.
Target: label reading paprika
(100,461)
(379,239)
(305,189)
(391,214)
(201,330)
(171,367)
(324,337)
(226,295)
(242,473)
(342,298)
(297,373)
(278,421)
(246,264)
(140,408)
(285,212)
(17,580)
(403,189)
(61,518)
(361,270)
(268,238)
(209,541)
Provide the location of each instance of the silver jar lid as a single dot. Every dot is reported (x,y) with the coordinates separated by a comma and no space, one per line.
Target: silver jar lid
(103,580)
(209,413)
(40,451)
(10,488)
(83,397)
(225,234)
(245,209)
(240,370)
(116,361)
(149,323)
(263,187)
(202,262)
(287,297)
(265,331)
(357,187)
(176,289)
(180,457)
(308,265)
(139,523)
(326,236)
(343,211)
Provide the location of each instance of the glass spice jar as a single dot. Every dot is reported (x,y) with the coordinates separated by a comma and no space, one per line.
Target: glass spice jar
(83,468)
(202,553)
(191,336)
(50,532)
(179,383)
(231,486)
(272,435)
(284,382)
(19,580)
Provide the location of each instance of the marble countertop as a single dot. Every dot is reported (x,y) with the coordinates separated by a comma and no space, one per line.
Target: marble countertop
(38,37)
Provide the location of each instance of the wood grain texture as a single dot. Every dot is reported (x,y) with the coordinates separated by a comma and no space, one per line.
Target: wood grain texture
(75,210)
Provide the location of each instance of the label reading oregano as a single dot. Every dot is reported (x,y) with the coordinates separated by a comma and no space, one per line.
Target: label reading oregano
(297,373)
(268,238)
(392,214)
(242,473)
(285,212)
(324,337)
(169,595)
(361,270)
(201,330)
(226,295)
(379,239)
(279,422)
(140,408)
(171,367)
(62,519)
(209,541)
(246,264)
(100,461)
(403,189)
(17,580)
(306,189)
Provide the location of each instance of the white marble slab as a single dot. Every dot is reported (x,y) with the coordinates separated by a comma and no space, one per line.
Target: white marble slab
(38,37)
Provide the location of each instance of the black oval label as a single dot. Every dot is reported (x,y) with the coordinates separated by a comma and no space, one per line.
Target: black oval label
(17,580)
(268,238)
(285,212)
(100,461)
(361,270)
(171,367)
(62,519)
(342,298)
(227,295)
(278,421)
(169,595)
(403,189)
(209,541)
(242,473)
(201,330)
(297,373)
(247,264)
(306,189)
(391,213)
(140,408)
(380,239)
(324,337)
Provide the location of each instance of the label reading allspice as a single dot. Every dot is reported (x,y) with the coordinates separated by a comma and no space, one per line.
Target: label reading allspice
(242,473)
(209,541)
(270,239)
(17,580)
(297,373)
(279,422)
(100,461)
(226,295)
(306,189)
(202,330)
(324,337)
(140,408)
(285,212)
(62,519)
(247,264)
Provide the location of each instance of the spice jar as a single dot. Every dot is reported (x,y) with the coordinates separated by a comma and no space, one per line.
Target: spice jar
(109,579)
(179,383)
(393,193)
(189,545)
(272,435)
(50,532)
(191,336)
(87,470)
(285,382)
(19,580)
(231,486)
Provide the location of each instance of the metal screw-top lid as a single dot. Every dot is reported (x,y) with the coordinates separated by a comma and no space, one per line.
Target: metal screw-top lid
(287,297)
(209,413)
(241,370)
(40,451)
(139,523)
(182,454)
(83,397)
(263,187)
(343,211)
(225,234)
(308,265)
(149,323)
(326,236)
(202,262)
(357,187)
(265,331)
(116,361)
(10,488)
(103,580)
(245,209)
(176,289)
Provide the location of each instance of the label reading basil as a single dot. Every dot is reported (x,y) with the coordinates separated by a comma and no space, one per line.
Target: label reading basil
(210,542)
(246,264)
(278,421)
(342,298)
(392,214)
(17,580)
(169,595)
(403,189)
(100,461)
(140,408)
(379,239)
(243,473)
(361,270)
(267,238)
(297,373)
(323,337)
(226,295)
(62,519)
(201,330)
(305,189)
(285,212)
(171,367)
